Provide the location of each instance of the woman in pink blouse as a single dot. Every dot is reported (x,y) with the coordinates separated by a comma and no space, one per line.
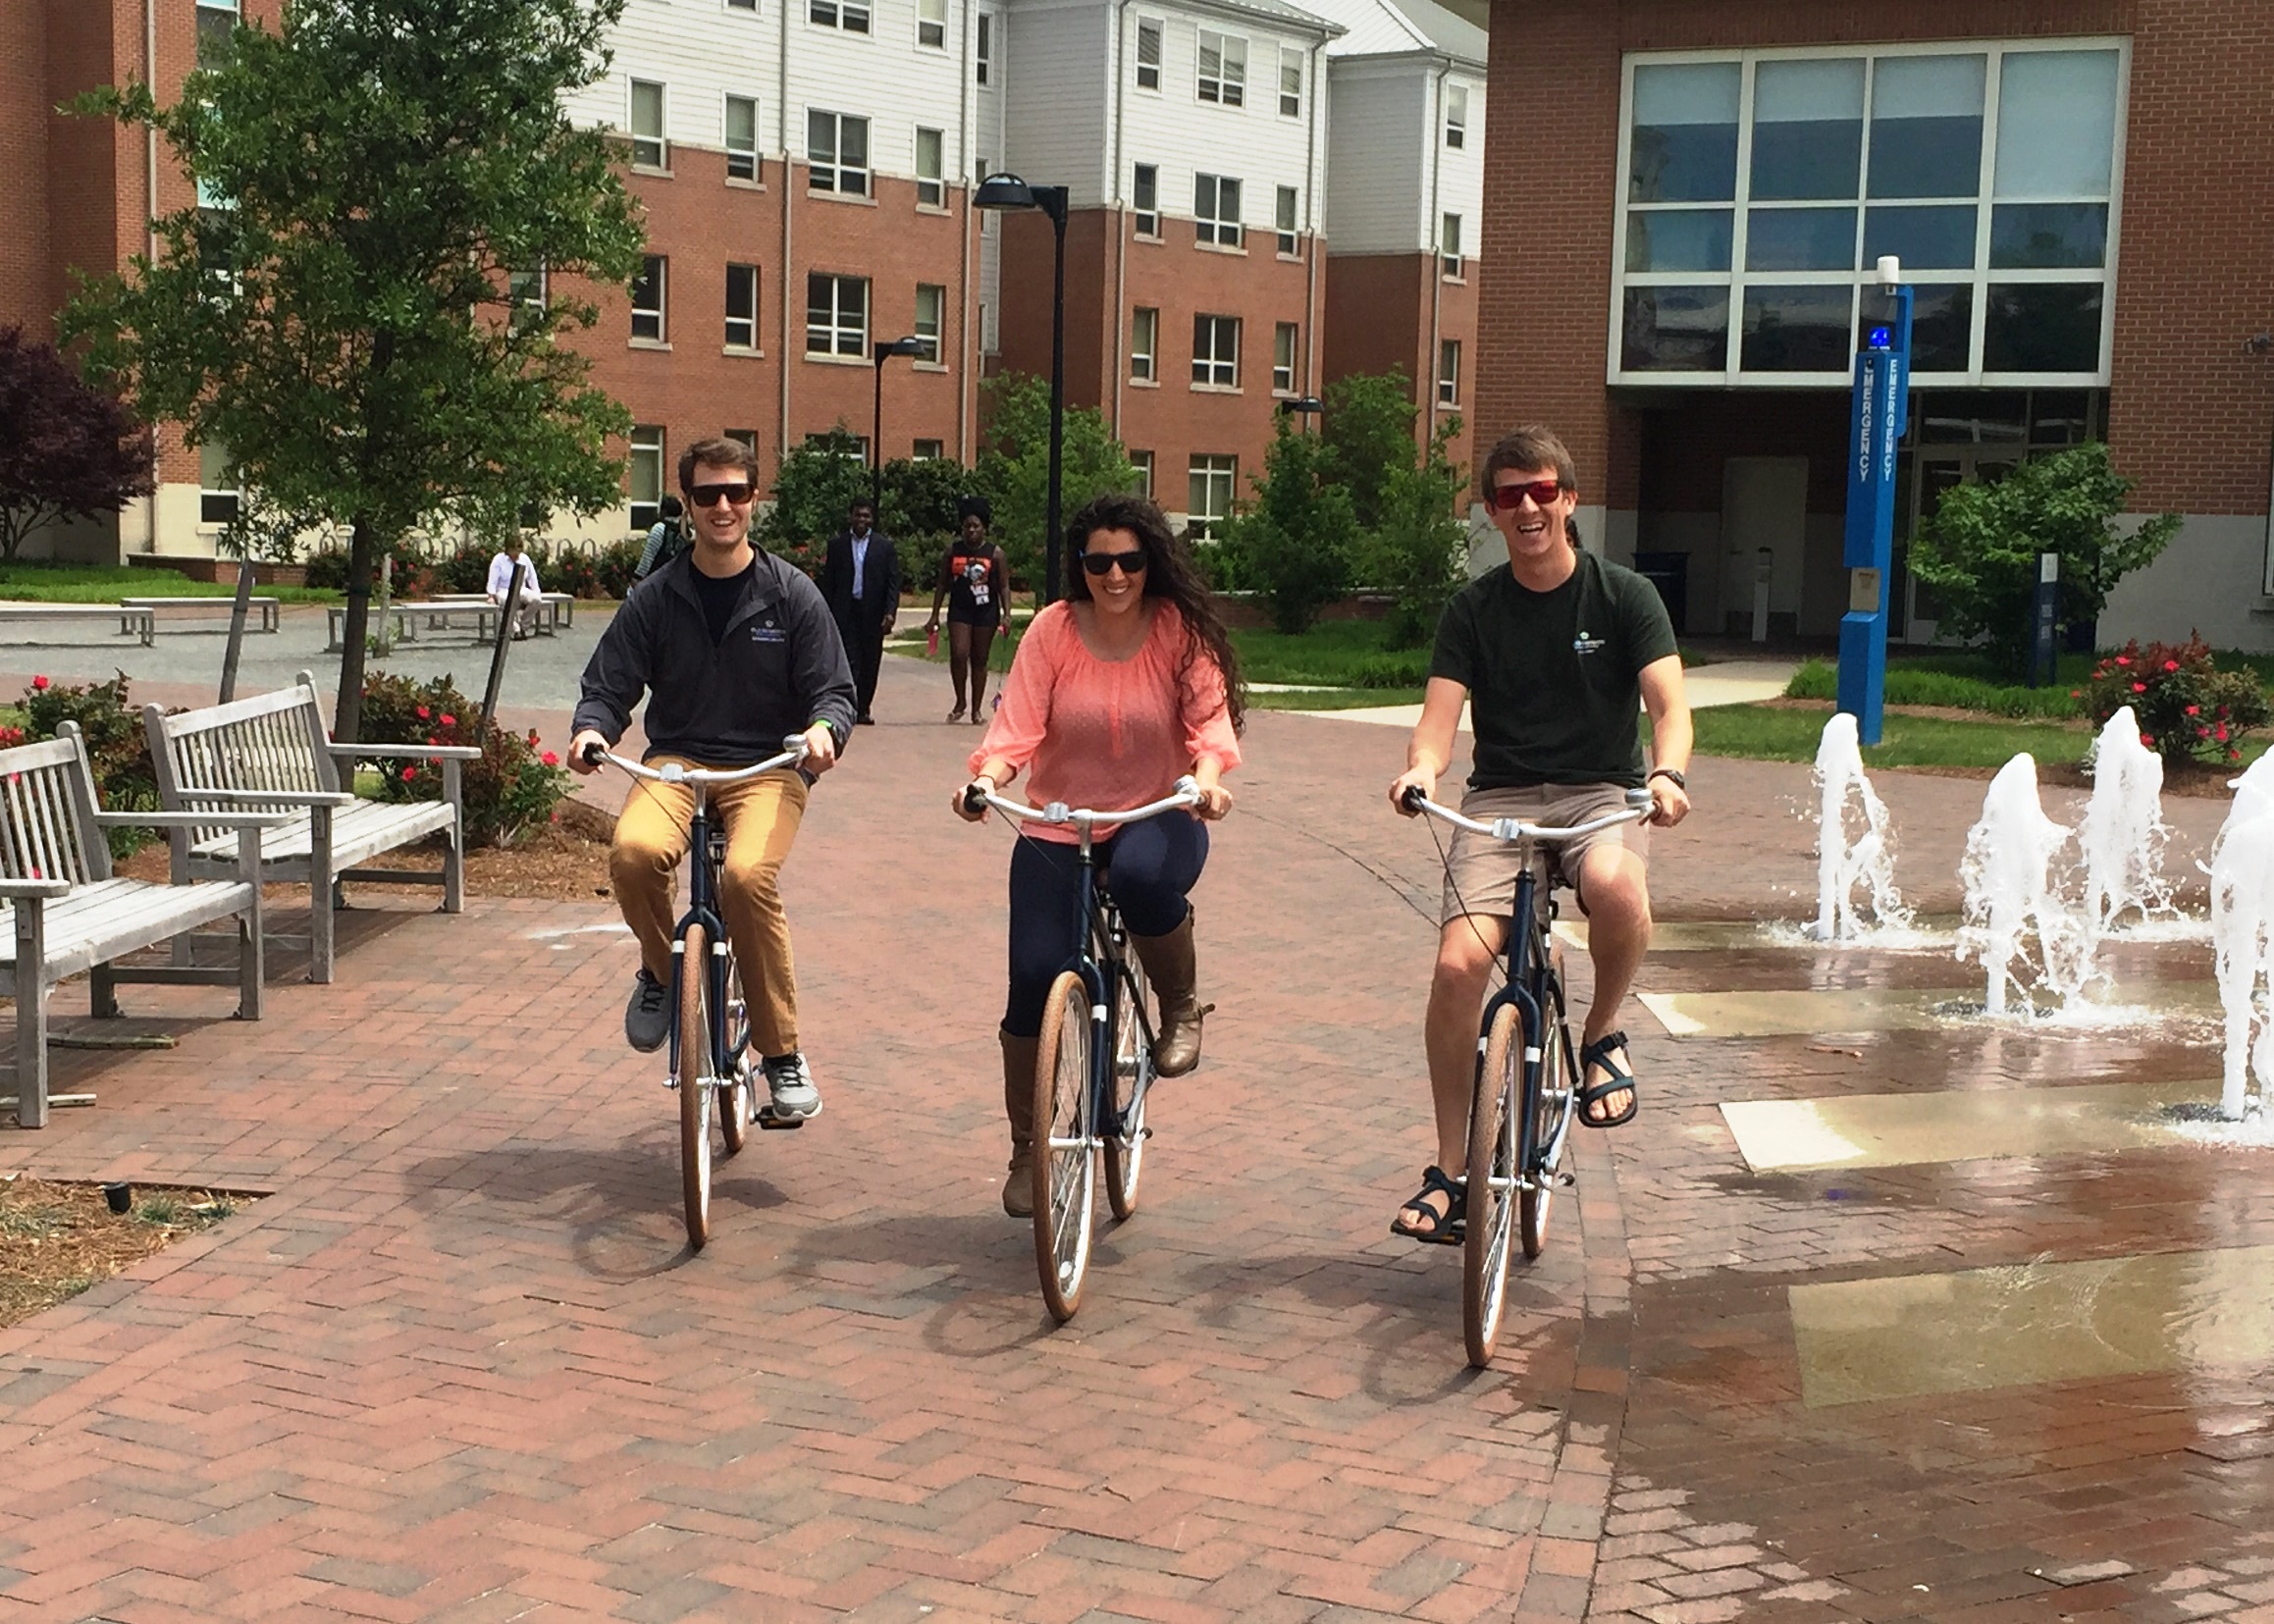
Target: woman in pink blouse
(1113,696)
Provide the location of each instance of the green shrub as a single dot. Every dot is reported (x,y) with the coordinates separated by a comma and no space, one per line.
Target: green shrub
(1407,669)
(1296,544)
(116,745)
(1418,553)
(509,791)
(921,556)
(328,571)
(1911,685)
(2187,708)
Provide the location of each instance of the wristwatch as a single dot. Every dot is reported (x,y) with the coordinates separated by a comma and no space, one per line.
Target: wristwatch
(1681,783)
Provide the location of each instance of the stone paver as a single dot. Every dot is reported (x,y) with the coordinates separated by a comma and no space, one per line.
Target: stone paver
(459,1364)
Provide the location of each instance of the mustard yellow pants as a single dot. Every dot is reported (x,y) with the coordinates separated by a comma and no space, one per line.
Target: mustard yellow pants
(761,819)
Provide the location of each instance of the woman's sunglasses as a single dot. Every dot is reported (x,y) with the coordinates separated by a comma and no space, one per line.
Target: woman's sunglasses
(1100,564)
(1506,497)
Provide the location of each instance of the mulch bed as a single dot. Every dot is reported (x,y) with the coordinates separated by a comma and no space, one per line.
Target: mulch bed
(58,1239)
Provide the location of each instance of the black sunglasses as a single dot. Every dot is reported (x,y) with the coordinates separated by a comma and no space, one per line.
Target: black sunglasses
(706,495)
(1100,564)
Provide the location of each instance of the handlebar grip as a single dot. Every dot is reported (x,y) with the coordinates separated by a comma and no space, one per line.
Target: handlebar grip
(592,753)
(1412,797)
(974,797)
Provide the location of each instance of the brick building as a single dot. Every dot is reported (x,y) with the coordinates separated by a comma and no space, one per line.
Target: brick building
(2082,193)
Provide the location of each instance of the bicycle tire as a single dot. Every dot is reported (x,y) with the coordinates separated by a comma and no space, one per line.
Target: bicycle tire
(1492,1161)
(1064,1168)
(1133,1076)
(1550,1111)
(694,1086)
(738,1095)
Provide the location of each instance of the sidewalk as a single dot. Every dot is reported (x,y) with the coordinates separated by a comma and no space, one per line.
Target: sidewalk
(1735,682)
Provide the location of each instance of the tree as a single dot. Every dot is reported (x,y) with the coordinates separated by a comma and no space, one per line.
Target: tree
(370,320)
(1980,550)
(1368,430)
(1014,466)
(1296,541)
(1420,552)
(813,493)
(66,452)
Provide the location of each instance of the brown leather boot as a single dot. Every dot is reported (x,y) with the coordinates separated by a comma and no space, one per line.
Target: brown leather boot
(1019,1107)
(1170,967)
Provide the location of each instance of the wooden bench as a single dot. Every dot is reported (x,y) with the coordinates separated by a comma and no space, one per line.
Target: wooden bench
(132,621)
(270,609)
(71,914)
(271,754)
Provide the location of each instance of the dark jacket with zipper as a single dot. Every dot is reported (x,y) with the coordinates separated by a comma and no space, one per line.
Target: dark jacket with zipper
(779,668)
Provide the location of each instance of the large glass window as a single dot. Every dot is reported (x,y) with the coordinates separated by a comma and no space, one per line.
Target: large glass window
(1209,483)
(217,21)
(837,152)
(932,168)
(836,315)
(1216,352)
(649,148)
(1216,210)
(1760,189)
(931,24)
(742,138)
(1223,75)
(1148,53)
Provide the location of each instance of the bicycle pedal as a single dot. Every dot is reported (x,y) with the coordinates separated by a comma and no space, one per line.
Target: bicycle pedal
(1566,1179)
(773,1124)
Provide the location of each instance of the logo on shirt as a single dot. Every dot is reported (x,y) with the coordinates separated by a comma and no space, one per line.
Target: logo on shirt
(1585,645)
(766,631)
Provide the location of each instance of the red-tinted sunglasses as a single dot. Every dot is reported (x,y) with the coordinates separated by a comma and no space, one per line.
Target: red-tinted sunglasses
(1504,497)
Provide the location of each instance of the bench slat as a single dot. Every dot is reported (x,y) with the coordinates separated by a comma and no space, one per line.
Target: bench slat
(105,918)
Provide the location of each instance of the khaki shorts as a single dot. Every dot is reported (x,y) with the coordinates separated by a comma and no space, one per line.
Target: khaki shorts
(1481,871)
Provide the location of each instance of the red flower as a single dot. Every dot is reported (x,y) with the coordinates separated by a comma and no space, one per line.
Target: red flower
(2195,709)
(449,721)
(2171,664)
(2222,733)
(2147,739)
(424,713)
(2139,688)
(2234,756)
(533,736)
(550,759)
(2123,660)
(40,685)
(409,773)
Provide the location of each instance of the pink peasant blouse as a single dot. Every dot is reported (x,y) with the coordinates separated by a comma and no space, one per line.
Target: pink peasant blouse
(1103,733)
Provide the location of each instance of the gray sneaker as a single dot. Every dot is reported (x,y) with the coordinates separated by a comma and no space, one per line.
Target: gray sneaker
(648,1017)
(791,1081)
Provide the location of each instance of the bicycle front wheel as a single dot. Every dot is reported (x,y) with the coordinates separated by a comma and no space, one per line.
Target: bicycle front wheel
(1064,1171)
(1492,1185)
(1132,1076)
(695,1085)
(737,1090)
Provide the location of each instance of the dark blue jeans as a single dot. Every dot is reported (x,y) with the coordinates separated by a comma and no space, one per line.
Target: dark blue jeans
(1152,866)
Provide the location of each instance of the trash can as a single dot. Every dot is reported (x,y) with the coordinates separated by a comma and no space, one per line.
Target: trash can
(1669,572)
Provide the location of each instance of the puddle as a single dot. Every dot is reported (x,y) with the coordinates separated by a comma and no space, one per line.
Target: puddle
(1881,1130)
(1791,1012)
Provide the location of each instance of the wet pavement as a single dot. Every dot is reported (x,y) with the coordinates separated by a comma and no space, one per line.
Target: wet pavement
(2002,1358)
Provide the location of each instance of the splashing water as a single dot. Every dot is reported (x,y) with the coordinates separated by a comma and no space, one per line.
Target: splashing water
(2013,895)
(2123,833)
(1855,842)
(2242,934)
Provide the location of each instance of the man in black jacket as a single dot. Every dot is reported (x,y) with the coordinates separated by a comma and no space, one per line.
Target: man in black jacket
(735,650)
(861,579)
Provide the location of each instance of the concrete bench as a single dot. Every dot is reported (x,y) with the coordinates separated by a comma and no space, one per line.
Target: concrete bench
(271,754)
(551,609)
(270,609)
(336,622)
(132,621)
(71,915)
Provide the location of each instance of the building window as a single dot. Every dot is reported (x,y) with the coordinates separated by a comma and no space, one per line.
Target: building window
(983,53)
(1449,246)
(837,151)
(1216,352)
(1290,82)
(648,293)
(1448,372)
(217,21)
(1282,341)
(1457,115)
(990,330)
(648,151)
(745,438)
(1142,463)
(647,474)
(1990,170)
(1210,493)
(1149,54)
(1146,193)
(741,5)
(1144,341)
(742,138)
(860,449)
(741,307)
(1216,210)
(1286,217)
(928,451)
(931,24)
(931,317)
(1223,68)
(220,492)
(836,315)
(931,169)
(852,15)
(528,293)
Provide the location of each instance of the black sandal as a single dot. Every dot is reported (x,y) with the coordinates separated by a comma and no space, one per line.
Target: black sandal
(1598,1053)
(1446,1231)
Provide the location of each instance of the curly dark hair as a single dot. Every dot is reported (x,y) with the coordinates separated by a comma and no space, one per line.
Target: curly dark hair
(1169,574)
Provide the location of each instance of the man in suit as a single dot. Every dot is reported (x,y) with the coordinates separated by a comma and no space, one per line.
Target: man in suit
(860,580)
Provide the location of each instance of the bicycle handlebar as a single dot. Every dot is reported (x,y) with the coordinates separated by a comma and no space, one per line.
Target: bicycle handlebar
(1186,793)
(1638,806)
(794,750)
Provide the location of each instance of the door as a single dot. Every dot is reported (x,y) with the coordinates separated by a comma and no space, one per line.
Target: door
(1763,507)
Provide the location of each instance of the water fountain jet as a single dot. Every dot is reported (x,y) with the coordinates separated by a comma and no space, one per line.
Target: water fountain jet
(2242,935)
(1854,841)
(2123,833)
(2013,895)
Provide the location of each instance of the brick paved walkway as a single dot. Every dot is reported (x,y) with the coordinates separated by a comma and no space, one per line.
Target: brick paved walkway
(459,1364)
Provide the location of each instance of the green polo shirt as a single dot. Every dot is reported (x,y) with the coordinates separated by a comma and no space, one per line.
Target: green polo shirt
(1555,677)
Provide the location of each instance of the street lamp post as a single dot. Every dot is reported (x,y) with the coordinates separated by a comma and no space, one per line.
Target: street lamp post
(885,349)
(1008,192)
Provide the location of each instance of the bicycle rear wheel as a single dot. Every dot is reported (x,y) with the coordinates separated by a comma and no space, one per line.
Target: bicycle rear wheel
(1550,1126)
(1491,1180)
(695,1085)
(1064,1171)
(737,1096)
(1132,1076)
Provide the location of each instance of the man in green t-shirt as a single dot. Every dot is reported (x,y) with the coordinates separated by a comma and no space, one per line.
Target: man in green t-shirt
(1553,654)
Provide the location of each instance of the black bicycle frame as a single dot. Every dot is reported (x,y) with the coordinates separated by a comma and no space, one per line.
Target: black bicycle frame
(1094,929)
(702,910)
(1524,968)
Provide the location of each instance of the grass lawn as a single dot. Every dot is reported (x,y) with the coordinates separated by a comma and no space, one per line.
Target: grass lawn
(1760,733)
(46,583)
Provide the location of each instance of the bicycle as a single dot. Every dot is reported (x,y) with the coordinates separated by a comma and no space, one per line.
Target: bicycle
(1094,1063)
(713,1073)
(1519,1119)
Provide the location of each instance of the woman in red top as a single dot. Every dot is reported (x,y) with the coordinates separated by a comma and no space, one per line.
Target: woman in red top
(974,579)
(1114,695)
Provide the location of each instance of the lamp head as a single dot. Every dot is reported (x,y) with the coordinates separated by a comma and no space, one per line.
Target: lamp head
(1003,190)
(1305,404)
(1890,272)
(899,346)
